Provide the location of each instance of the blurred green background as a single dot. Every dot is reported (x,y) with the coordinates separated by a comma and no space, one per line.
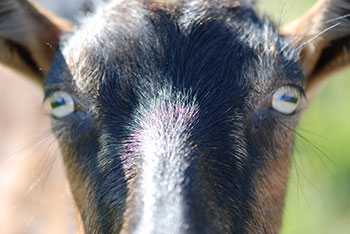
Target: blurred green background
(318,199)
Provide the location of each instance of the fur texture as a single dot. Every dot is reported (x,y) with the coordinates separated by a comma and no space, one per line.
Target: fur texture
(173,129)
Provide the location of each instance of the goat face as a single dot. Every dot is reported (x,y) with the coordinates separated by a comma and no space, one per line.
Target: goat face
(179,117)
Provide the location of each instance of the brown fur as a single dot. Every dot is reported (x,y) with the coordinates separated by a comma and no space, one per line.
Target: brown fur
(307,29)
(270,188)
(23,45)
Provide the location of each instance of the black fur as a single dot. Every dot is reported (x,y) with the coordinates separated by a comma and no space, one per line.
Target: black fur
(217,61)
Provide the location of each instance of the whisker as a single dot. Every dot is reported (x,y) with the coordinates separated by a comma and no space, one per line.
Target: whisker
(316,150)
(318,35)
(300,178)
(281,12)
(300,37)
(315,135)
(37,180)
(301,152)
(29,190)
(337,18)
(51,164)
(312,144)
(37,140)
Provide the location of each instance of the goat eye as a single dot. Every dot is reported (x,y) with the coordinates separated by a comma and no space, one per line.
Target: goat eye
(286,99)
(62,104)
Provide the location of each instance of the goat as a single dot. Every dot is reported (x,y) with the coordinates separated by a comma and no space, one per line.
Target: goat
(176,117)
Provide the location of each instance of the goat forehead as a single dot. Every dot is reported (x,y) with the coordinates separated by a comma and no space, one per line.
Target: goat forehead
(131,43)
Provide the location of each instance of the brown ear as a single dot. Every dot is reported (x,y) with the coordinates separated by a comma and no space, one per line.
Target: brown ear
(323,34)
(29,37)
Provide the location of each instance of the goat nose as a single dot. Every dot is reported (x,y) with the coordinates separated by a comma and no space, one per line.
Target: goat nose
(158,204)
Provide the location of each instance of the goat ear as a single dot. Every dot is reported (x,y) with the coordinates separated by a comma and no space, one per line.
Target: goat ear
(323,34)
(29,37)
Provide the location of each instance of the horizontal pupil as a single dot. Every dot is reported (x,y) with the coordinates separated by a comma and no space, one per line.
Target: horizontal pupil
(58,103)
(288,98)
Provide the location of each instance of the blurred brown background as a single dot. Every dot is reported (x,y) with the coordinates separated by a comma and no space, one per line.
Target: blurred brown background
(33,198)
